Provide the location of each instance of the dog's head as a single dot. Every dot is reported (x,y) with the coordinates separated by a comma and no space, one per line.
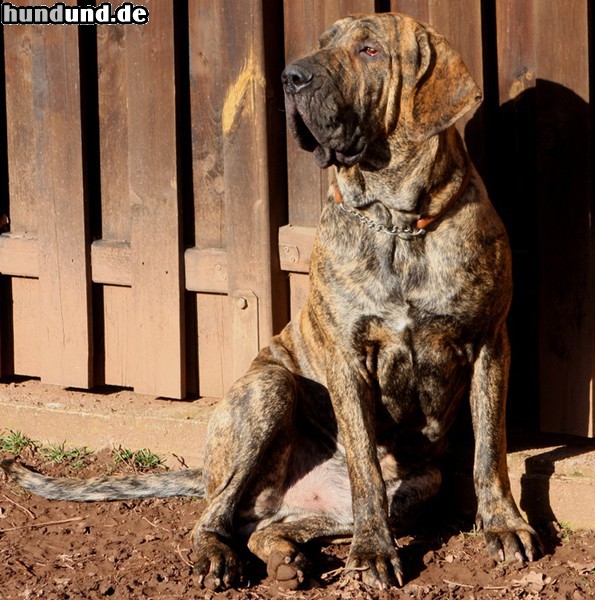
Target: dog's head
(373,77)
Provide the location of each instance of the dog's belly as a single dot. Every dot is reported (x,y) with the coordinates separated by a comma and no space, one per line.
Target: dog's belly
(322,490)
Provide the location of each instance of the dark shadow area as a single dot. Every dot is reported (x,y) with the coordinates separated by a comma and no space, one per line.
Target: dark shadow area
(537,170)
(100,390)
(534,155)
(6,327)
(4,188)
(16,379)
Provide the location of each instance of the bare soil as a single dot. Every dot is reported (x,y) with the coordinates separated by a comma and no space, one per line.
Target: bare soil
(142,549)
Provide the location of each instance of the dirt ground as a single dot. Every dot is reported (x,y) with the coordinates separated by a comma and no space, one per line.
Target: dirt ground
(142,549)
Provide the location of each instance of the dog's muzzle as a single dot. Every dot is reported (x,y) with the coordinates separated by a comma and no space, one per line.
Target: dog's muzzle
(295,78)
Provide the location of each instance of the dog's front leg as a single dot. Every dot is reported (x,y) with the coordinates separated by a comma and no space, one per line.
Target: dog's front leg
(373,557)
(507,534)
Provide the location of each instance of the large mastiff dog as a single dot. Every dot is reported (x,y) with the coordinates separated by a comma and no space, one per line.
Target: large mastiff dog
(334,429)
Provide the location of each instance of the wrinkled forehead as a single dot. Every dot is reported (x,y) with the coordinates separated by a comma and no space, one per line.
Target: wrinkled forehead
(354,29)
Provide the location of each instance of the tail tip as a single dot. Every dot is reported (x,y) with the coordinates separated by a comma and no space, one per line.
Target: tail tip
(8,465)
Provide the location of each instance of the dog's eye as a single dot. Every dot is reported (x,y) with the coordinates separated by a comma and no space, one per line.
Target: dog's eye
(370,51)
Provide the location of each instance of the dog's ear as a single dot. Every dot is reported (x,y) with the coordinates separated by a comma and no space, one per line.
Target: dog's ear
(443,91)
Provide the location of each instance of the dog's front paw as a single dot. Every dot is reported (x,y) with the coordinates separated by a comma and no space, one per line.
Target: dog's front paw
(511,540)
(217,565)
(380,570)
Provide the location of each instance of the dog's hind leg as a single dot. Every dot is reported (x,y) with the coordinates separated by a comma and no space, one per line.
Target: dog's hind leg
(408,497)
(248,440)
(277,545)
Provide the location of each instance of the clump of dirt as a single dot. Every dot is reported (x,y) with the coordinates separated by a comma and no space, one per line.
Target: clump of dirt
(142,549)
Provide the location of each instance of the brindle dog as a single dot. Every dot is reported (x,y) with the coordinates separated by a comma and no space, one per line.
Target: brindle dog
(334,429)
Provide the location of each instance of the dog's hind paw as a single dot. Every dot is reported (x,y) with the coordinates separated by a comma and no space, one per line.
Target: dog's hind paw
(218,566)
(287,568)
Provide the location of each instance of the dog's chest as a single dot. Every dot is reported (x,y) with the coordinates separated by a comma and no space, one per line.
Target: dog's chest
(419,371)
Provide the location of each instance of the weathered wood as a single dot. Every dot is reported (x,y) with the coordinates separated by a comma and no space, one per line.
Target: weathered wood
(21,130)
(244,330)
(114,138)
(463,29)
(21,135)
(119,341)
(52,141)
(157,295)
(19,256)
(111,257)
(418,9)
(295,247)
(111,262)
(206,270)
(214,344)
(251,185)
(208,82)
(516,48)
(27,322)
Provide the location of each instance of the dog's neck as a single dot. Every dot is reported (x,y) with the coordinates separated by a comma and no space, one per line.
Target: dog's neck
(417,184)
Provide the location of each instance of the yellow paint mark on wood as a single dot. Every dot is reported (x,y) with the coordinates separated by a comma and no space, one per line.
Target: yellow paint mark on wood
(240,95)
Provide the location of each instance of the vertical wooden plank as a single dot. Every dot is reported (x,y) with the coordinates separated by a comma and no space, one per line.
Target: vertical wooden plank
(208,81)
(118,319)
(24,355)
(155,232)
(463,29)
(419,9)
(516,48)
(305,21)
(564,186)
(57,187)
(251,175)
(461,26)
(27,322)
(21,128)
(113,123)
(214,344)
(513,189)
(119,341)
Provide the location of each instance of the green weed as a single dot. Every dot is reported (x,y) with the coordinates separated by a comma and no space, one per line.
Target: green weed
(15,442)
(140,460)
(60,454)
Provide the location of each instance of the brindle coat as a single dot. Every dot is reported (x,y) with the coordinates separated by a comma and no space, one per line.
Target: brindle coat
(334,429)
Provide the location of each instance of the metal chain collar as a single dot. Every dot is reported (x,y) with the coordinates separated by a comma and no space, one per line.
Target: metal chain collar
(394,230)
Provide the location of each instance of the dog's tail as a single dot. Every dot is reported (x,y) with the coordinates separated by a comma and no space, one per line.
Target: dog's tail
(158,485)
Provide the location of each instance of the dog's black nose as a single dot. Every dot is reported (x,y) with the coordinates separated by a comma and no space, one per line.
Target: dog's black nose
(295,78)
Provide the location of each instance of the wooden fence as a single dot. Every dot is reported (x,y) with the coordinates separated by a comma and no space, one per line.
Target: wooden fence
(160,221)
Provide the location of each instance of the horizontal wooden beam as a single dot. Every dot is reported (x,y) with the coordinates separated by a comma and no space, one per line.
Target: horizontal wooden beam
(19,256)
(111,262)
(206,270)
(295,247)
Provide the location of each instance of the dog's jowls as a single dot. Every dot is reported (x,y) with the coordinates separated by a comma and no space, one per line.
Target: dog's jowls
(334,430)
